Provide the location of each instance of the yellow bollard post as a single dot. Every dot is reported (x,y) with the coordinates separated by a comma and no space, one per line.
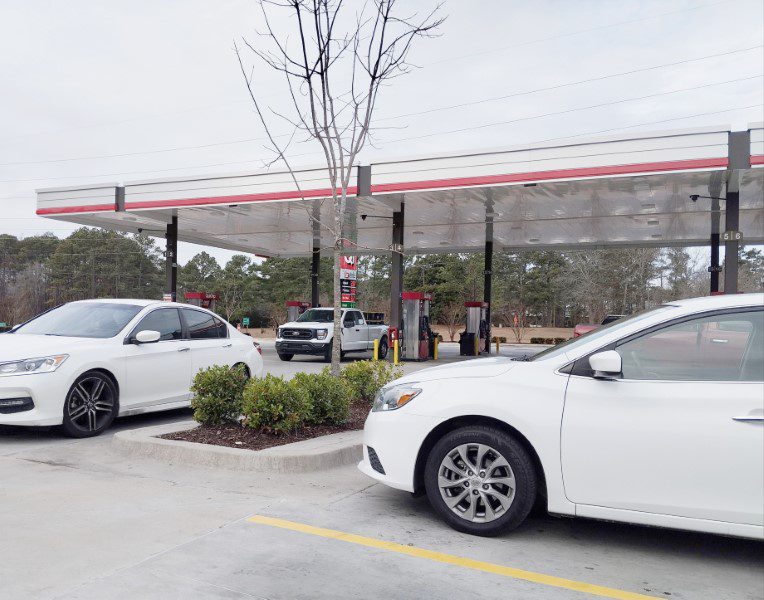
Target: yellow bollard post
(435,348)
(376,350)
(477,345)
(395,352)
(497,344)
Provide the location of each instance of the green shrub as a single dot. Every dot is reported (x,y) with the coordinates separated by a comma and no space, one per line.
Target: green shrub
(275,405)
(502,339)
(537,340)
(328,396)
(218,394)
(560,340)
(364,378)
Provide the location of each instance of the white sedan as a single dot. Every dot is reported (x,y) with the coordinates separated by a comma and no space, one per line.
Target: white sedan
(82,364)
(657,419)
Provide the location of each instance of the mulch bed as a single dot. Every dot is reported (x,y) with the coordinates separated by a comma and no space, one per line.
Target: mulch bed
(236,436)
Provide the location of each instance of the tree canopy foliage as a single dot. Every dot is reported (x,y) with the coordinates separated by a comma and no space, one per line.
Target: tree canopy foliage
(547,288)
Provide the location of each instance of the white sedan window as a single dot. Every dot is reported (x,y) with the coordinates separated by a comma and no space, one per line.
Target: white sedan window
(716,348)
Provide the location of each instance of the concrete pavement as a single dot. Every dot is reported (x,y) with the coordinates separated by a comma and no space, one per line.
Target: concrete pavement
(82,521)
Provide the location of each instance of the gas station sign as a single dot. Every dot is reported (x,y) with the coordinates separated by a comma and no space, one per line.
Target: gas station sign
(348,272)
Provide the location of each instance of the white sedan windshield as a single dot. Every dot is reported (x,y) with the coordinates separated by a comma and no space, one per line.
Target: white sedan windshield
(82,319)
(604,330)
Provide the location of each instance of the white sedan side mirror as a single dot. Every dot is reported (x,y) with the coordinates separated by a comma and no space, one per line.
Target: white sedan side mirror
(147,336)
(606,365)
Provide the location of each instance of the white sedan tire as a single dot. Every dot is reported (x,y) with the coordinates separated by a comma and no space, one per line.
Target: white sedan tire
(480,480)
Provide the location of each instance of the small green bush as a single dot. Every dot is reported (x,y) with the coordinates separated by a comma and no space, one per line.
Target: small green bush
(560,340)
(502,339)
(537,340)
(364,378)
(329,397)
(275,405)
(218,394)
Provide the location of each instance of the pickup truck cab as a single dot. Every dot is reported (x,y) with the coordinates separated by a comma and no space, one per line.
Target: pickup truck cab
(313,333)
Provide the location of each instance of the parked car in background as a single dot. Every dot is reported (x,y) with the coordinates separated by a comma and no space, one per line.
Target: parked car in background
(313,333)
(657,419)
(583,328)
(82,364)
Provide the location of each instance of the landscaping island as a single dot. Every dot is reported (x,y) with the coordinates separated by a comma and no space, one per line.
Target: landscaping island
(235,435)
(269,411)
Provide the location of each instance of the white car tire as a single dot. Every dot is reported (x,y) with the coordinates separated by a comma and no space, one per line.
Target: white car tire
(481,480)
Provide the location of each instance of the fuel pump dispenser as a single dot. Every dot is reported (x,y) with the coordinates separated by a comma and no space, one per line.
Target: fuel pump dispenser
(202,299)
(416,334)
(295,308)
(472,339)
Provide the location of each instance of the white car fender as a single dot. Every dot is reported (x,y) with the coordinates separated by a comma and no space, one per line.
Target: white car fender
(535,416)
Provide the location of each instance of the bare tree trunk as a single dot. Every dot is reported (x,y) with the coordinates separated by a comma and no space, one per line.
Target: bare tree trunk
(337,343)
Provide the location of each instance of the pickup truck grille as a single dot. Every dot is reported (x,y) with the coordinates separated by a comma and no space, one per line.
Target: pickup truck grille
(288,333)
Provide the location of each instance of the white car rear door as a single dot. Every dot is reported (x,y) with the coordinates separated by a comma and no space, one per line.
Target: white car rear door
(208,340)
(682,432)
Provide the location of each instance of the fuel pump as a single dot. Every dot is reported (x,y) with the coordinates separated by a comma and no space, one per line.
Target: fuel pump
(202,299)
(295,308)
(416,333)
(472,341)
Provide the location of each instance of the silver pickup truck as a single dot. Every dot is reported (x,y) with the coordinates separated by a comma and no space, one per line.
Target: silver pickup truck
(313,333)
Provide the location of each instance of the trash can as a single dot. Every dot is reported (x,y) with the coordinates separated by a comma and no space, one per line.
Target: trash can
(466,344)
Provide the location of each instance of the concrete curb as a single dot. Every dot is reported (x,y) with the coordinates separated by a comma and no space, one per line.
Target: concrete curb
(319,453)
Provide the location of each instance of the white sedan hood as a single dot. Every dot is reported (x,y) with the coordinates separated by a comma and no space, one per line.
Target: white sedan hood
(476,368)
(17,346)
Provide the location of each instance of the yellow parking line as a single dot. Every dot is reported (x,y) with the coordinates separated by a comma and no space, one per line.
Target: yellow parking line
(450,559)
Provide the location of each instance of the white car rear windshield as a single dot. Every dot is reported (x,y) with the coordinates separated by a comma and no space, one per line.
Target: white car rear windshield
(82,319)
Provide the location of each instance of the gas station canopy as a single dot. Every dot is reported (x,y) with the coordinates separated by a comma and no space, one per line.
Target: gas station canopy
(617,191)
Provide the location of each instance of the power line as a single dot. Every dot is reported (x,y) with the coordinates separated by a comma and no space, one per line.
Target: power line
(570,84)
(428,111)
(425,65)
(571,110)
(578,32)
(450,132)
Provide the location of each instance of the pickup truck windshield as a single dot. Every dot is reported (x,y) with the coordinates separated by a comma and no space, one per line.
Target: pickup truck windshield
(317,315)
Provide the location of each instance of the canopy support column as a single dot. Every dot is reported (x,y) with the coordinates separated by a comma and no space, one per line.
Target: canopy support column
(488,279)
(732,222)
(171,260)
(396,270)
(315,262)
(739,157)
(715,269)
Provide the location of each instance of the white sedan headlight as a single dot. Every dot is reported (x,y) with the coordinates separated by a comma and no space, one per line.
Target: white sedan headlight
(28,366)
(394,397)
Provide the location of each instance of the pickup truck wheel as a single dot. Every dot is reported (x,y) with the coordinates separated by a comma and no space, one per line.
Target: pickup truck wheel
(480,480)
(382,352)
(286,357)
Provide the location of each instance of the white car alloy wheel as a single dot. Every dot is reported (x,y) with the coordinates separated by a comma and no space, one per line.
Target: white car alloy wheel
(476,482)
(481,480)
(90,405)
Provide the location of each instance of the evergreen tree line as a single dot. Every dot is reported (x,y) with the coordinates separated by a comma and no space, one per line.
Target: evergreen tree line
(546,288)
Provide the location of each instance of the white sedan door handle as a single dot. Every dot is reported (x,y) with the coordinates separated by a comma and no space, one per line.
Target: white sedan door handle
(186,349)
(228,345)
(749,418)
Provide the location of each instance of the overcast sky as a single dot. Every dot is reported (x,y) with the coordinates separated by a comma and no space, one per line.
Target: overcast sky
(158,84)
